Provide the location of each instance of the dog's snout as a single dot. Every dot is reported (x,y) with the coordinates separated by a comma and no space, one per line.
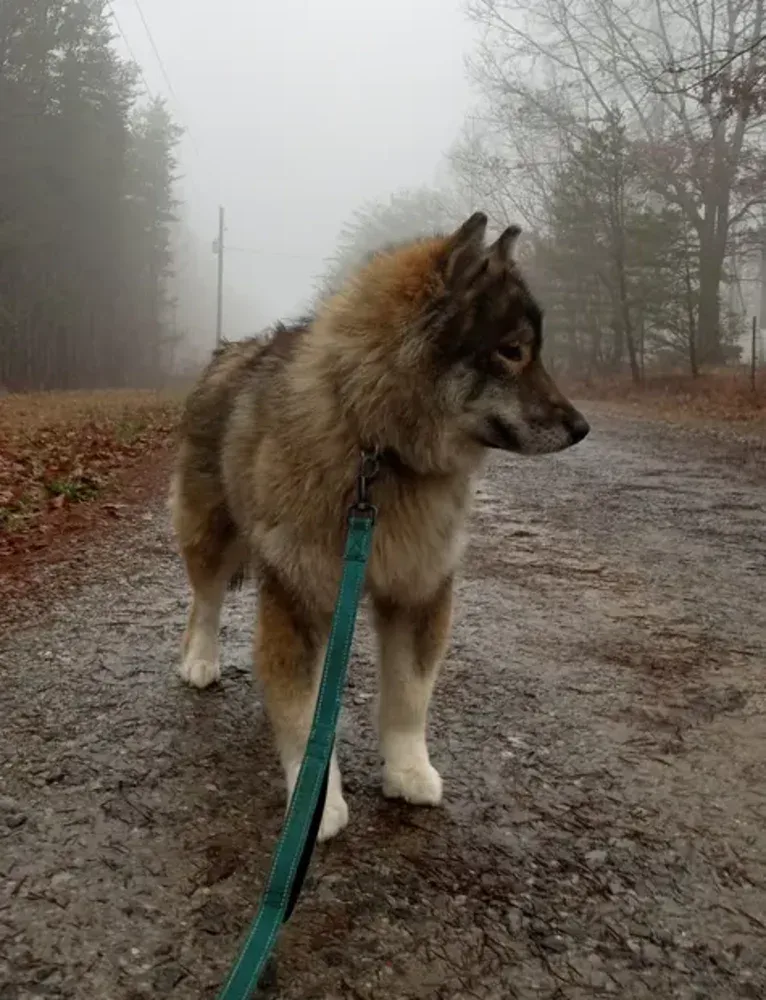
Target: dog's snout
(578,427)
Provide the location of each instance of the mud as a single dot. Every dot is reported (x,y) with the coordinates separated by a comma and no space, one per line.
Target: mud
(600,726)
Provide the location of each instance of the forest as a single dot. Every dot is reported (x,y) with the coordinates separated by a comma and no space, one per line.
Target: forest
(86,205)
(629,140)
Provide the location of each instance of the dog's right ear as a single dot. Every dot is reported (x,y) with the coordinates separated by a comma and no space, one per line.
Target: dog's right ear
(464,252)
(502,249)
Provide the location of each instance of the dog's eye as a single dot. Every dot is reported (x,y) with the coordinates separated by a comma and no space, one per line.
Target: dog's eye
(511,352)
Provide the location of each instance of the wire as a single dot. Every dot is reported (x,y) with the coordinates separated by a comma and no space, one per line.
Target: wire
(156,51)
(271,253)
(131,52)
(165,74)
(129,47)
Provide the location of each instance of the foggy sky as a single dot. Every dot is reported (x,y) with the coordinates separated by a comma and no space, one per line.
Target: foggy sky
(298,111)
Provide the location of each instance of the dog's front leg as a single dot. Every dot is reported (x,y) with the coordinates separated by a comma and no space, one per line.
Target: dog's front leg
(288,659)
(412,643)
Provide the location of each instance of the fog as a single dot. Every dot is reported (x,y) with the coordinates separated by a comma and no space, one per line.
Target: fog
(630,144)
(296,113)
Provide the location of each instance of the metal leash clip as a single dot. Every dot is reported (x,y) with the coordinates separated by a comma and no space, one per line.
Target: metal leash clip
(369,467)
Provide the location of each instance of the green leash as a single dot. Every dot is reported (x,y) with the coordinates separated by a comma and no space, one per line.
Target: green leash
(296,842)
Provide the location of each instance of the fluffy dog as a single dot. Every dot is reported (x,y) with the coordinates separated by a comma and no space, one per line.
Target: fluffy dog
(430,354)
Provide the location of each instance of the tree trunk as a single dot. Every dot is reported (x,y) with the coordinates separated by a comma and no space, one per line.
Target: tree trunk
(627,325)
(712,254)
(708,319)
(617,225)
(692,326)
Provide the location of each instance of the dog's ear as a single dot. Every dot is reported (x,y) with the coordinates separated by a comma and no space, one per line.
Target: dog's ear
(463,253)
(502,249)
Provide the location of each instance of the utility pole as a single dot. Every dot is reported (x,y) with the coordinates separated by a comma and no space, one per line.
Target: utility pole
(753,353)
(762,303)
(218,250)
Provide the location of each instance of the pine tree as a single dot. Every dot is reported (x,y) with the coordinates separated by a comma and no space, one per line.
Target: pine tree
(85,203)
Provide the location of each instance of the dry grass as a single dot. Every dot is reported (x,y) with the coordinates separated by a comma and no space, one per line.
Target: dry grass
(719,396)
(63,448)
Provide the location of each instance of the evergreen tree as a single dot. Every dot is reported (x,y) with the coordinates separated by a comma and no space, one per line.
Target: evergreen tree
(85,203)
(406,215)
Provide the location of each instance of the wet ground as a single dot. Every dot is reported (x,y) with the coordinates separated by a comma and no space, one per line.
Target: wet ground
(600,727)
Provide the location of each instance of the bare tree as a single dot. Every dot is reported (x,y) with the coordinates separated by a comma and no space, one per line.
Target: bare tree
(562,65)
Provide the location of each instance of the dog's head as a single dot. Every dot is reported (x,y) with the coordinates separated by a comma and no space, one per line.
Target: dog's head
(444,351)
(486,330)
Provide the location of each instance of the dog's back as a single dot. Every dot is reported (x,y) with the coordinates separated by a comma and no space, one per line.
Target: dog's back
(238,369)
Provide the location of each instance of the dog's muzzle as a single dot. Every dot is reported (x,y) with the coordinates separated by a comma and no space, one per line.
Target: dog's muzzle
(577,427)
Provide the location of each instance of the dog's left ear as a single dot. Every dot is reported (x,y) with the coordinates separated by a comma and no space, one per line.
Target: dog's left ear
(502,249)
(464,251)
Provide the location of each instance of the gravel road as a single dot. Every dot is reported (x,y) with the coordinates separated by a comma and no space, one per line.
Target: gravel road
(600,727)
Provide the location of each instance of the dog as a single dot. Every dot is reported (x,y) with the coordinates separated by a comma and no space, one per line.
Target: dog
(431,354)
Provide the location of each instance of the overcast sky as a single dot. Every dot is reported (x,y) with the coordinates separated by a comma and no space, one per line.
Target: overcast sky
(298,111)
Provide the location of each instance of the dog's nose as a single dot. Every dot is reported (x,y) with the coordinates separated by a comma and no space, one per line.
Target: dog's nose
(578,428)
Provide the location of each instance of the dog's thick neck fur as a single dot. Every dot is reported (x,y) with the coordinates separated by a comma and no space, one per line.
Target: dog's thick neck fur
(374,318)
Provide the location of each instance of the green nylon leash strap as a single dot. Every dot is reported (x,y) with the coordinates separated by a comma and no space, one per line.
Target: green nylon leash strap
(304,814)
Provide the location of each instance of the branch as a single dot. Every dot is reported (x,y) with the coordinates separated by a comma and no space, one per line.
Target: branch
(713,74)
(746,209)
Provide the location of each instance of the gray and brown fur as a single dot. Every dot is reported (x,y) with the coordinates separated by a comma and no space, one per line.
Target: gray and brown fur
(431,354)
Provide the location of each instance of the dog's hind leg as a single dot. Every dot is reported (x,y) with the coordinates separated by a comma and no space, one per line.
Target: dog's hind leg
(412,642)
(213,555)
(288,660)
(209,575)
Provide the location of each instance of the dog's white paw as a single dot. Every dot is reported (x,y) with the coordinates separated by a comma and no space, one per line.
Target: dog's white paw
(335,814)
(417,783)
(199,672)
(334,818)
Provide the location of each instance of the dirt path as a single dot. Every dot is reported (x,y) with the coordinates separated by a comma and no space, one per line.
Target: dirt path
(601,728)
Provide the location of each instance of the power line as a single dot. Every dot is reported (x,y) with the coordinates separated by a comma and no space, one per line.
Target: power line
(218,247)
(271,253)
(165,74)
(187,130)
(137,64)
(128,46)
(156,51)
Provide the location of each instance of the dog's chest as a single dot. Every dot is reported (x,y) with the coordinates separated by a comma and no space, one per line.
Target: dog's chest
(419,539)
